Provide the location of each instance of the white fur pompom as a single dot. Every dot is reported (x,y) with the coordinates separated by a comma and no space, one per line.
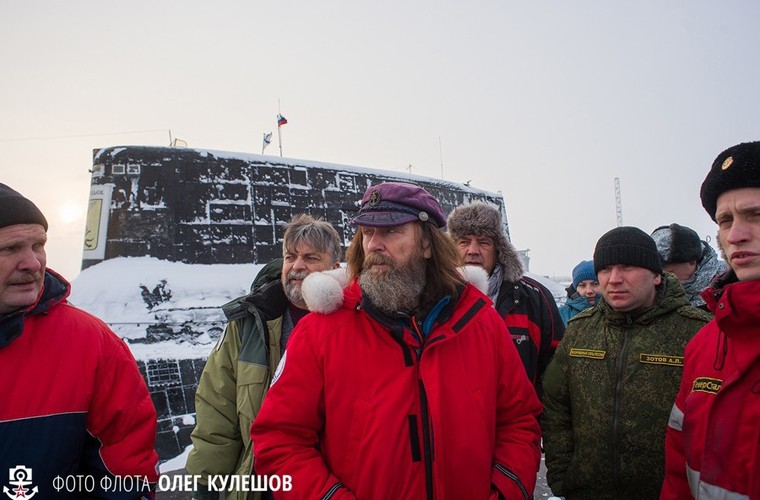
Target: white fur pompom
(476,276)
(323,292)
(340,274)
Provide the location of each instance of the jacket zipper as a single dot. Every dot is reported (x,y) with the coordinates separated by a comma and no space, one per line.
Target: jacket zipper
(427,431)
(427,442)
(616,480)
(511,475)
(335,487)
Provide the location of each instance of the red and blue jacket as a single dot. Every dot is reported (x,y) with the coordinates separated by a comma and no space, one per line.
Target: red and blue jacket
(72,403)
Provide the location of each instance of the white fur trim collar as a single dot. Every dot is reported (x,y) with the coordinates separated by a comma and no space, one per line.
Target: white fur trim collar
(323,292)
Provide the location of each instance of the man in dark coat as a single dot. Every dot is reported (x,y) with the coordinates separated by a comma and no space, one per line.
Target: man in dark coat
(526,306)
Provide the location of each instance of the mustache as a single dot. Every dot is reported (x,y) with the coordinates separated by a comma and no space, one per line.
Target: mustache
(25,277)
(297,275)
(376,258)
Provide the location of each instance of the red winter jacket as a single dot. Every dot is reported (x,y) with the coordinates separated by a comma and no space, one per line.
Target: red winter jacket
(72,403)
(360,410)
(712,448)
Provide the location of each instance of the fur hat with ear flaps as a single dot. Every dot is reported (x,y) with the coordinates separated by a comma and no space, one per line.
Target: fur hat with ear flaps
(481,219)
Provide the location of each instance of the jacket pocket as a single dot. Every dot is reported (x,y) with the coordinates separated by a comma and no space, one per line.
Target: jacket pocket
(252,385)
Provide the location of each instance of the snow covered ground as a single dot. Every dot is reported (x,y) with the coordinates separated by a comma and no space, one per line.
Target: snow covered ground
(164,310)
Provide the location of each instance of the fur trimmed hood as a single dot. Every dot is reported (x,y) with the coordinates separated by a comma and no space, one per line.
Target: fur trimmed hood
(484,220)
(323,292)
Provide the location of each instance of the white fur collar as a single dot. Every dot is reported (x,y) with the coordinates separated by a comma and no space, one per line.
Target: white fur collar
(323,292)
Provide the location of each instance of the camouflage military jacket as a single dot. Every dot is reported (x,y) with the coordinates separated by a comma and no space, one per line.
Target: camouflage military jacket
(608,393)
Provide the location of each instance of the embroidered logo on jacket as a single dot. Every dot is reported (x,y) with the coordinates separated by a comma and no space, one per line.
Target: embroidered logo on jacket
(587,353)
(706,384)
(661,359)
(519,339)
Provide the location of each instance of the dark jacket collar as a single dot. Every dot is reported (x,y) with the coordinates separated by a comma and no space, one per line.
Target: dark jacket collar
(269,301)
(55,289)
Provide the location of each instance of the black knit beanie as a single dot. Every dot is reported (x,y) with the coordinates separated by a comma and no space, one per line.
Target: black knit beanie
(677,243)
(628,246)
(737,167)
(15,209)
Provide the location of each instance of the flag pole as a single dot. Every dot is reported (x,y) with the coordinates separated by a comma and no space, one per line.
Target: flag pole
(279,138)
(279,135)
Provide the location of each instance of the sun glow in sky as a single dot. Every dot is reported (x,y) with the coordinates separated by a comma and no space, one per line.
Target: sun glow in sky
(71,211)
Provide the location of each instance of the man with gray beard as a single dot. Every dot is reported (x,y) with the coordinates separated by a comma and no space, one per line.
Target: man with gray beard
(238,371)
(393,287)
(403,384)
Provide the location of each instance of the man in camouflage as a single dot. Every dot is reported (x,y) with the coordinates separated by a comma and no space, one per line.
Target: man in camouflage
(610,386)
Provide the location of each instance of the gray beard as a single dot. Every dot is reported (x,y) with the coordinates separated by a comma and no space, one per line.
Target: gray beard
(293,292)
(397,290)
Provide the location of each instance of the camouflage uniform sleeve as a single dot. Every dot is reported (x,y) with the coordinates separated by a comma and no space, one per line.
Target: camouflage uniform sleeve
(556,421)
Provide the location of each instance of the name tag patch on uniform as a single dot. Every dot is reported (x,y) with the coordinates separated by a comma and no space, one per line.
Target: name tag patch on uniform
(706,384)
(661,359)
(587,353)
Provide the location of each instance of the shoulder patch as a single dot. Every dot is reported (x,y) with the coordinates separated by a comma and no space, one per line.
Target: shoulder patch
(661,359)
(587,353)
(706,384)
(280,368)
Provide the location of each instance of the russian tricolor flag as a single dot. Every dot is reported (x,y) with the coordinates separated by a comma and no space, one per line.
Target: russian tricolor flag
(281,120)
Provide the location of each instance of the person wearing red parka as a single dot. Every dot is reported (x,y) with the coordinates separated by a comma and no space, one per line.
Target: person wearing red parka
(712,449)
(404,385)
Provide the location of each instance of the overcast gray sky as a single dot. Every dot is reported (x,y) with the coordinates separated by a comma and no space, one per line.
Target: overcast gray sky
(546,102)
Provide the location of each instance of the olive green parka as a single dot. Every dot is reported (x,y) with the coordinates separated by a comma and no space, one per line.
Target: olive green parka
(233,384)
(608,393)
